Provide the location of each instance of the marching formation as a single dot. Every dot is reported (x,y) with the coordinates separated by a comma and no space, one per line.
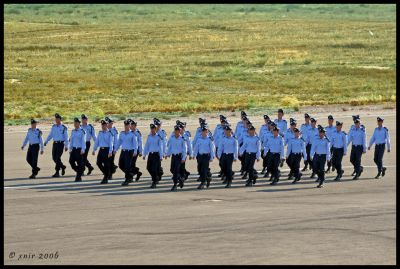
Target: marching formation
(275,143)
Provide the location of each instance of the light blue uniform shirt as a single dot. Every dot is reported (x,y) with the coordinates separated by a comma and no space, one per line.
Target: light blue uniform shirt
(154,143)
(114,133)
(90,132)
(34,136)
(311,135)
(139,144)
(198,135)
(304,128)
(218,132)
(127,140)
(104,140)
(187,136)
(339,140)
(329,131)
(282,125)
(321,146)
(228,145)
(243,133)
(77,139)
(297,145)
(204,145)
(289,134)
(177,146)
(267,135)
(357,137)
(275,145)
(251,144)
(58,133)
(380,136)
(164,138)
(239,127)
(263,130)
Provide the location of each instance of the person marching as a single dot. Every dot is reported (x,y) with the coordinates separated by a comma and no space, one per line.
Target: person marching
(114,133)
(329,131)
(154,148)
(289,134)
(304,128)
(358,138)
(59,134)
(339,149)
(243,133)
(77,148)
(267,155)
(218,134)
(161,132)
(187,137)
(296,148)
(204,150)
(138,134)
(227,154)
(264,129)
(90,134)
(380,138)
(320,153)
(312,134)
(127,140)
(251,151)
(281,123)
(104,141)
(177,148)
(34,137)
(275,145)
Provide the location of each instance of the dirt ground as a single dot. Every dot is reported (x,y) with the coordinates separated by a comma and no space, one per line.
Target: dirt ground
(348,222)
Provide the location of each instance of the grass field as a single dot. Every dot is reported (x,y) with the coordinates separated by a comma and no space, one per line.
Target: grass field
(124,59)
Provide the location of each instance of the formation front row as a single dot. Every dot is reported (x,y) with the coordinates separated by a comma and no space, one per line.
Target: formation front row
(179,147)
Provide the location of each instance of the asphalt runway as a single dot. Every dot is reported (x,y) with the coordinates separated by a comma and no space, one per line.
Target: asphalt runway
(348,222)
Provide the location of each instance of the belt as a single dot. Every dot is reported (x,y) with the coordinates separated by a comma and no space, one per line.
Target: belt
(296,153)
(381,144)
(56,142)
(337,148)
(357,145)
(320,154)
(154,152)
(75,148)
(104,147)
(126,149)
(179,154)
(34,144)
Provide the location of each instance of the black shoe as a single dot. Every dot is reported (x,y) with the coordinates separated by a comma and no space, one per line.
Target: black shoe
(299,177)
(378,175)
(319,185)
(223,178)
(294,181)
(383,171)
(90,170)
(271,178)
(78,179)
(337,178)
(110,176)
(266,175)
(355,177)
(37,171)
(199,179)
(354,173)
(225,181)
(312,175)
(63,170)
(255,179)
(263,170)
(187,174)
(126,182)
(244,176)
(56,175)
(201,186)
(290,176)
(219,174)
(208,183)
(333,169)
(32,176)
(241,172)
(181,183)
(274,182)
(228,185)
(249,183)
(173,187)
(317,180)
(304,168)
(153,185)
(104,181)
(138,175)
(328,170)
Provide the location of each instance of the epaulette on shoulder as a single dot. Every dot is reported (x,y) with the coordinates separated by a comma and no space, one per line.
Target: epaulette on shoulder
(83,131)
(163,131)
(29,129)
(188,133)
(64,126)
(284,120)
(116,131)
(384,127)
(327,139)
(160,137)
(344,132)
(138,132)
(302,139)
(90,125)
